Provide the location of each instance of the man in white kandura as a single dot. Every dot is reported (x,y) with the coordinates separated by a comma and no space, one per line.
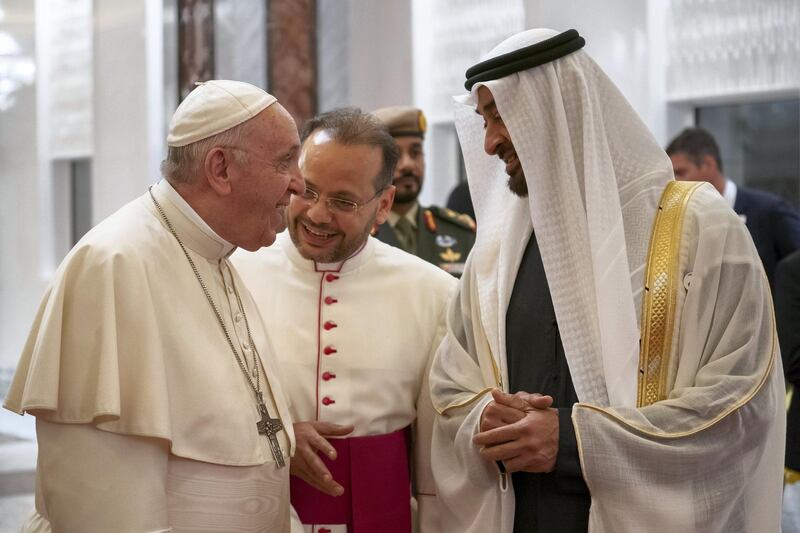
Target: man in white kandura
(551,416)
(147,367)
(355,323)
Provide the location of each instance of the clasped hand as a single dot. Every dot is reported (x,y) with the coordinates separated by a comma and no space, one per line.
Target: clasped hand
(306,463)
(521,430)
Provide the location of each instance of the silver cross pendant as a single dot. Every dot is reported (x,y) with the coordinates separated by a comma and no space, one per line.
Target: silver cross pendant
(269,427)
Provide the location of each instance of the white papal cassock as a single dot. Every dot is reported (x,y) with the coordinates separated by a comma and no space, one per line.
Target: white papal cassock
(145,421)
(354,340)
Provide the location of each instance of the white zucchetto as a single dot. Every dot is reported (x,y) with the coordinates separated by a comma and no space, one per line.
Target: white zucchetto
(213,107)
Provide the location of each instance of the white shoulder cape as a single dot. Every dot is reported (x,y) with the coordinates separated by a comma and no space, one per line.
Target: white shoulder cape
(125,339)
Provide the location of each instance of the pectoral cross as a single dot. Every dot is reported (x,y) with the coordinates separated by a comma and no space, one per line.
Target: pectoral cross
(270,427)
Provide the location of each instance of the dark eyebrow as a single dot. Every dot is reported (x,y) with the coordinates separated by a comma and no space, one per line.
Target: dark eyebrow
(337,195)
(490,106)
(344,195)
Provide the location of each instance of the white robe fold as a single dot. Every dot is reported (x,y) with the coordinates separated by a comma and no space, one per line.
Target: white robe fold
(709,456)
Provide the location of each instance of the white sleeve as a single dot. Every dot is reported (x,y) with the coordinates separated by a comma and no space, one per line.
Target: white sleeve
(90,480)
(473,496)
(708,456)
(424,483)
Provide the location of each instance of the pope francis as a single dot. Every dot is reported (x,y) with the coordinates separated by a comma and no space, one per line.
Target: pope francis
(147,367)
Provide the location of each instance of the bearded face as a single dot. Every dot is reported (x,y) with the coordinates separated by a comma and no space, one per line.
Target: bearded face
(410,170)
(497,142)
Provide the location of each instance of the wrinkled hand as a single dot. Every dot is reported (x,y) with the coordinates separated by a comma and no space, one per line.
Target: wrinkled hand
(510,408)
(306,464)
(530,443)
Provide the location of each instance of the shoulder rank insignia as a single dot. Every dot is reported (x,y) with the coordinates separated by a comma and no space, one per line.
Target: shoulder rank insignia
(461,219)
(430,222)
(467,220)
(450,256)
(445,241)
(455,269)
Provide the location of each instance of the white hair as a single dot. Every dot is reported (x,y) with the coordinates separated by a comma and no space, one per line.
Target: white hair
(183,163)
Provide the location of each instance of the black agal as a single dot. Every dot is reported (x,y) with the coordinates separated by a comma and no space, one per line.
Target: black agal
(525,58)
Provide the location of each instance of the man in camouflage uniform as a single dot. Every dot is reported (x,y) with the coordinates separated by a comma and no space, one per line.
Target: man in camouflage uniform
(436,234)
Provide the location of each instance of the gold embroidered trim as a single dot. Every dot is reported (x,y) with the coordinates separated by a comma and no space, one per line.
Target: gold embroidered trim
(579,441)
(678,435)
(660,292)
(773,355)
(465,402)
(790,477)
(498,379)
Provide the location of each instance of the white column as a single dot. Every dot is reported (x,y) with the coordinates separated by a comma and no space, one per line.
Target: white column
(129,133)
(20,283)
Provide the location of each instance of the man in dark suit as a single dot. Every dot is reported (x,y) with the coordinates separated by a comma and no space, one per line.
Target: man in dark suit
(436,234)
(773,223)
(787,310)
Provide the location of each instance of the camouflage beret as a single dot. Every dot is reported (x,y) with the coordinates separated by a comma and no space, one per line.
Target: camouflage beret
(403,120)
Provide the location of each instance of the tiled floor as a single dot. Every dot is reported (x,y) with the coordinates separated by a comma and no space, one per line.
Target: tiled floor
(14,510)
(17,470)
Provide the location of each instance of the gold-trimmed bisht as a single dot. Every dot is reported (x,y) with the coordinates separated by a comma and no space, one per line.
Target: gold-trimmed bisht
(662,282)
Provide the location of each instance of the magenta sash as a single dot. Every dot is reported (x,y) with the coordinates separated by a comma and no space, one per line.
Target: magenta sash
(377,490)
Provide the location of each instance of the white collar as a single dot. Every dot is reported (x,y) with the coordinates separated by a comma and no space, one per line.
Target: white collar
(730,192)
(165,188)
(353,263)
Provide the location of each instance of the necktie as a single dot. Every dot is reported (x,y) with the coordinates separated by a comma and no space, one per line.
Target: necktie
(406,235)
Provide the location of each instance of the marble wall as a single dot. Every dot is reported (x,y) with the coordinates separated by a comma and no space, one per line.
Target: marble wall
(97,101)
(364,53)
(369,54)
(240,41)
(449,37)
(292,58)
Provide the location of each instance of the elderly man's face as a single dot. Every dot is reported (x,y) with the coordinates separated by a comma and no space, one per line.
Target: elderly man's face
(410,170)
(267,178)
(497,141)
(333,219)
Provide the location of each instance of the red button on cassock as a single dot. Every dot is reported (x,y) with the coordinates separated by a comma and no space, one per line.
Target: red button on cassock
(328,376)
(331,277)
(330,324)
(329,350)
(323,530)
(330,300)
(327,401)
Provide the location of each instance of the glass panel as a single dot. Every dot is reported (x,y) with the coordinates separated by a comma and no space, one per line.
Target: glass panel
(240,41)
(81,184)
(333,59)
(759,144)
